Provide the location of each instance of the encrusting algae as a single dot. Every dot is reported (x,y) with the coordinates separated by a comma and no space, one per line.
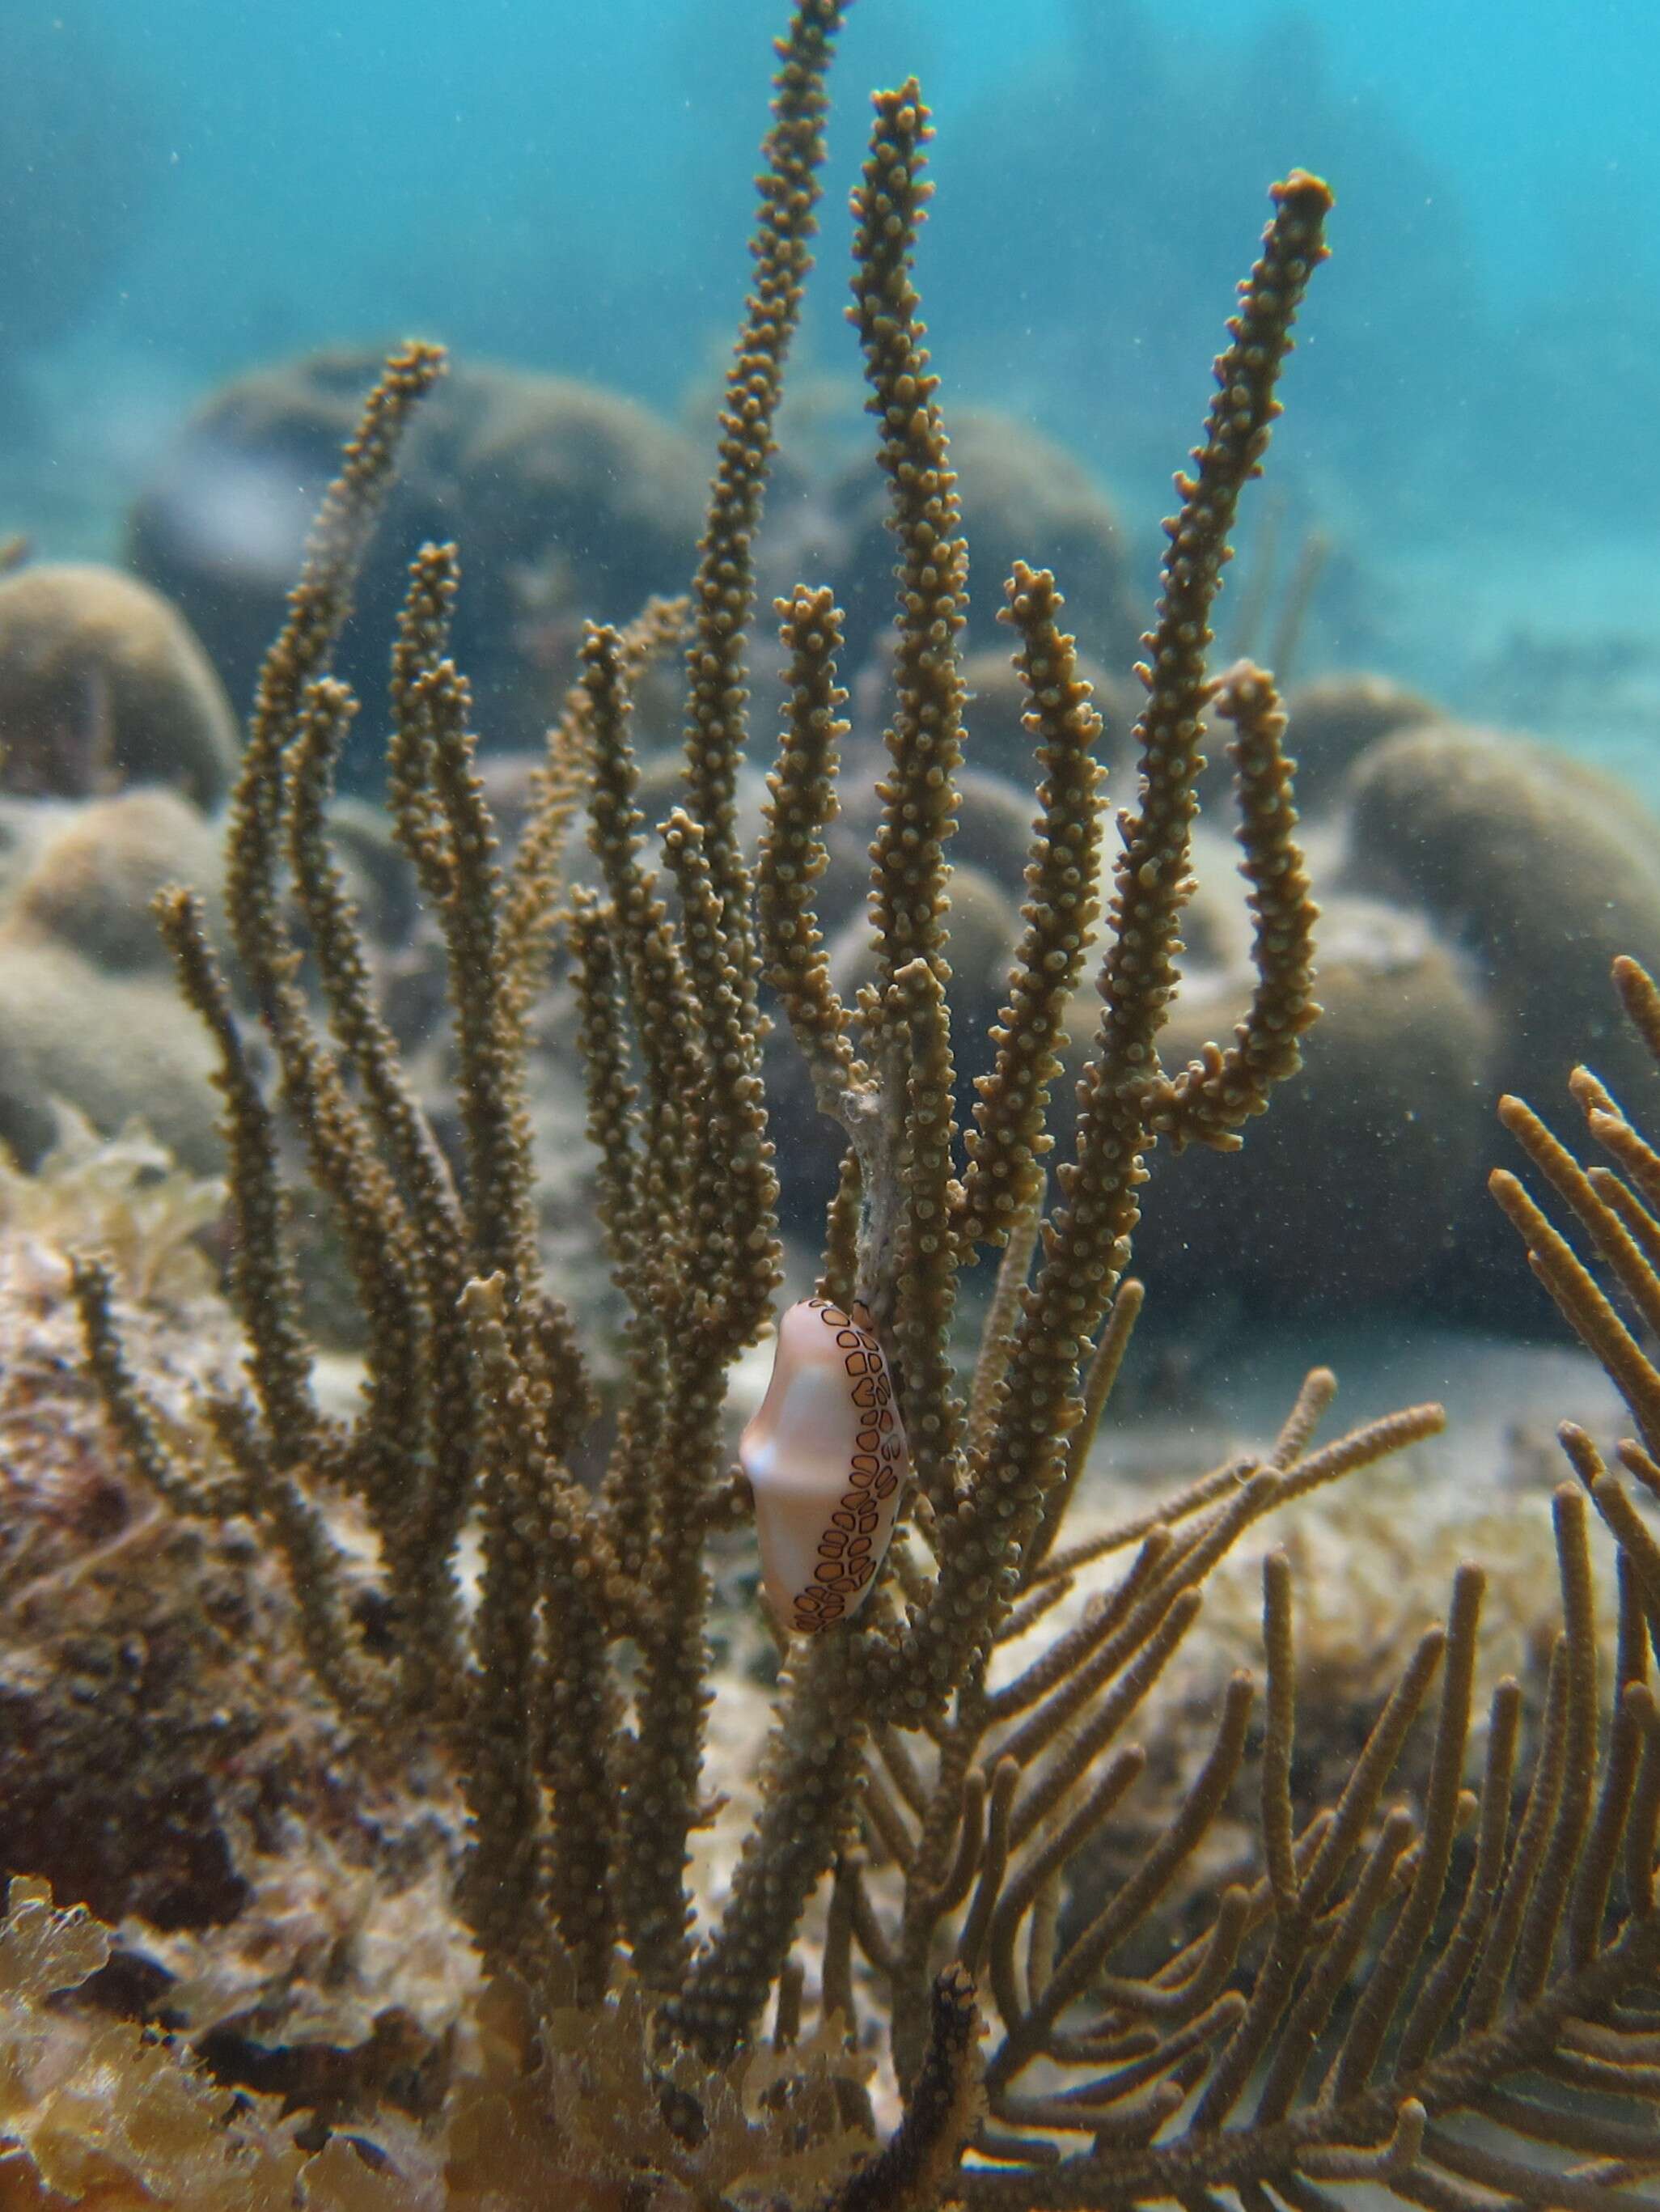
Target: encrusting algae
(1450,2000)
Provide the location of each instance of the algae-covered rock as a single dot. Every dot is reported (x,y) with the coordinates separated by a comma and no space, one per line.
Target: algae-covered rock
(108,1604)
(165,1756)
(103,683)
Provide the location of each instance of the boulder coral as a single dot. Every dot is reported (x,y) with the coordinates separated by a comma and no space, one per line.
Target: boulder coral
(222,525)
(577,504)
(1373,1159)
(103,684)
(572,502)
(96,870)
(116,1047)
(1482,883)
(89,1015)
(1336,717)
(1023,497)
(1540,870)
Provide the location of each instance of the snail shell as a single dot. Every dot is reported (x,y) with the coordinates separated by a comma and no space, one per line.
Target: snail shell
(825,1456)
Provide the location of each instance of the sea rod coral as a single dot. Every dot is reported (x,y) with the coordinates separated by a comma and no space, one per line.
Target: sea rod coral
(1452,2003)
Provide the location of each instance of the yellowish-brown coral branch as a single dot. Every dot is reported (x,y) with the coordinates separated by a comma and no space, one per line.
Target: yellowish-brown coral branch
(1213,1098)
(724,589)
(1007,1140)
(1086,1242)
(793,854)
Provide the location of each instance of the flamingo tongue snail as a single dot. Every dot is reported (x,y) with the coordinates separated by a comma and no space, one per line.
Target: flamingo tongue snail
(825,1456)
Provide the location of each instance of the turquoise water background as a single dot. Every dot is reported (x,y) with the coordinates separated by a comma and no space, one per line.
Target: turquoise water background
(1472,417)
(190,189)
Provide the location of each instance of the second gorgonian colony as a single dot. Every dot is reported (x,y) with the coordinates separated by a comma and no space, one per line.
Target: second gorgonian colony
(1453,2002)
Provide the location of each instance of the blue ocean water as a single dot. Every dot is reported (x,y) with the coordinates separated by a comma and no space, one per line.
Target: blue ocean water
(193,190)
